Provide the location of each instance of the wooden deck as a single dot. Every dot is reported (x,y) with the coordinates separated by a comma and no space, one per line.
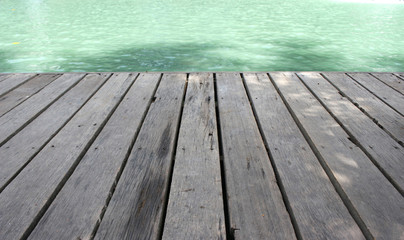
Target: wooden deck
(277,155)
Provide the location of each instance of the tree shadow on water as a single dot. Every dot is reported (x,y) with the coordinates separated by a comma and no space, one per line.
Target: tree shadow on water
(284,56)
(300,54)
(152,57)
(290,54)
(4,64)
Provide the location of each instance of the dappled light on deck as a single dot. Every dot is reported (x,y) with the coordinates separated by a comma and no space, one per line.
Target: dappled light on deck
(227,155)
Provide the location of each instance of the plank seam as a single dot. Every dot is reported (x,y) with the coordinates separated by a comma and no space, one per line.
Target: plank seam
(171,167)
(59,187)
(123,165)
(374,94)
(361,109)
(41,111)
(229,230)
(7,75)
(386,83)
(51,137)
(355,141)
(399,76)
(344,197)
(11,89)
(276,172)
(29,96)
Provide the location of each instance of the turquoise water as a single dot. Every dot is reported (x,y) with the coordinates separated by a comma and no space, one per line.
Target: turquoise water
(201,35)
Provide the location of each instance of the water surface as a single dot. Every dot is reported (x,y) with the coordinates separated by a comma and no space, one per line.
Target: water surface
(201,35)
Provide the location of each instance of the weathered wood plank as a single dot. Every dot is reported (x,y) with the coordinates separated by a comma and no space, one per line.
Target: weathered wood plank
(28,195)
(394,99)
(256,207)
(371,194)
(17,118)
(135,209)
(385,151)
(14,80)
(23,92)
(91,182)
(19,149)
(318,209)
(400,75)
(4,76)
(195,207)
(391,80)
(389,119)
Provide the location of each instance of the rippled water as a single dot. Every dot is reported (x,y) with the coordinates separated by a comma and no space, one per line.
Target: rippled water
(201,35)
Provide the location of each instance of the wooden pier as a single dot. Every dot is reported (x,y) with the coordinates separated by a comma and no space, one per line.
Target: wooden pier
(279,155)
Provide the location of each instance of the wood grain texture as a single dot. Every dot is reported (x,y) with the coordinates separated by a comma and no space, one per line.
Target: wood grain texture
(14,80)
(16,152)
(256,207)
(317,207)
(23,92)
(371,194)
(77,209)
(29,194)
(386,152)
(391,80)
(391,121)
(195,207)
(68,171)
(17,118)
(391,97)
(4,76)
(400,75)
(135,209)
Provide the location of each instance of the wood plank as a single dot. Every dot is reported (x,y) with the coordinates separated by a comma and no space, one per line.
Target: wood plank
(23,146)
(4,76)
(195,207)
(16,119)
(135,209)
(370,193)
(23,92)
(400,75)
(13,81)
(389,119)
(24,200)
(385,151)
(93,179)
(318,209)
(391,80)
(256,207)
(391,97)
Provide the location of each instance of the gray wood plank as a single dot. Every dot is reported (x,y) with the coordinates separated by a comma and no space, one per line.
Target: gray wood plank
(76,210)
(195,207)
(391,97)
(13,81)
(400,75)
(23,92)
(318,209)
(135,209)
(29,194)
(17,118)
(256,207)
(385,151)
(4,76)
(391,80)
(25,144)
(370,193)
(390,120)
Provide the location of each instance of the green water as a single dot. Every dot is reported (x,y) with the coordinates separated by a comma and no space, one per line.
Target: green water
(200,35)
